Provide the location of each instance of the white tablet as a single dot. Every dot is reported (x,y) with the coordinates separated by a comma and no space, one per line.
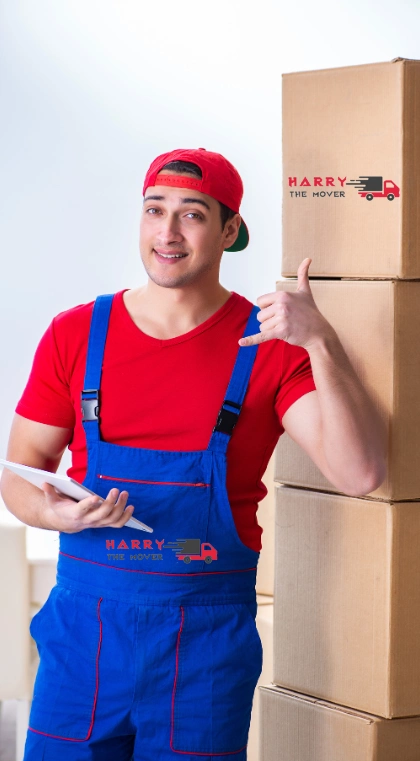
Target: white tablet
(65,484)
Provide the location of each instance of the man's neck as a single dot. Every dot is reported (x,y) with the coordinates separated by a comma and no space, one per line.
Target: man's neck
(170,312)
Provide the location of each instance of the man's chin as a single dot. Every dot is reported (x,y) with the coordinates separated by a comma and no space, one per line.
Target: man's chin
(170,281)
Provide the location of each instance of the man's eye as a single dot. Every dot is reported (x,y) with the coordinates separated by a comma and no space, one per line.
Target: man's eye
(151,209)
(194,214)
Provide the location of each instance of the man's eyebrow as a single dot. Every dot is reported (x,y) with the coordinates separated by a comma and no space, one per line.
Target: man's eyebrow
(184,200)
(196,200)
(154,198)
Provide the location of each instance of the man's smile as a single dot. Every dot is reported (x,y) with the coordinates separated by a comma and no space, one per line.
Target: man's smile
(169,256)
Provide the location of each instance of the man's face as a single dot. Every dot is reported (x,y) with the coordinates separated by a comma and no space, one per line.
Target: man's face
(181,236)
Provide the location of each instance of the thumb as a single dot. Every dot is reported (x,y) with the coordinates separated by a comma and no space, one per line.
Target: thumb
(47,488)
(303,278)
(50,491)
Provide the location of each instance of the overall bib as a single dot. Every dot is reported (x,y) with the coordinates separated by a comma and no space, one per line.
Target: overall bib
(148,644)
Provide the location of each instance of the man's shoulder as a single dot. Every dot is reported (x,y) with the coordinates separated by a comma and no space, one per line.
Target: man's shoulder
(240,299)
(76,314)
(76,318)
(241,305)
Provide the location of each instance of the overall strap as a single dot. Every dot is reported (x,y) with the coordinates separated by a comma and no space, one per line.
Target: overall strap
(90,395)
(237,388)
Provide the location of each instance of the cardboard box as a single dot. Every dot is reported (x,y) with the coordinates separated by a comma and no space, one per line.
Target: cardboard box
(347,601)
(42,578)
(300,728)
(265,517)
(15,678)
(349,131)
(265,630)
(377,323)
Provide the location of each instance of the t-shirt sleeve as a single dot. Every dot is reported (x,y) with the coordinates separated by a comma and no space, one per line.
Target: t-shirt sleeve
(296,380)
(46,397)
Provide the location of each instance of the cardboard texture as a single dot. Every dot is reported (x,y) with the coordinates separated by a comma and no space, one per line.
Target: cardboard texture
(377,324)
(265,630)
(265,516)
(340,125)
(347,601)
(300,728)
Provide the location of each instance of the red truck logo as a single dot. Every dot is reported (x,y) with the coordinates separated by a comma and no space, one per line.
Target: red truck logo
(193,549)
(375,187)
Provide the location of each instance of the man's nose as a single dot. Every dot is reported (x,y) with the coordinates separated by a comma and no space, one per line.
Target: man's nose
(169,229)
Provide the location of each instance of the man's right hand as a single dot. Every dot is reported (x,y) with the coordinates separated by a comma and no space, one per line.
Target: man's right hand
(67,515)
(41,446)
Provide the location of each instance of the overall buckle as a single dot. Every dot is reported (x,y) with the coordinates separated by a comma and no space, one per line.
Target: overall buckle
(227,419)
(90,405)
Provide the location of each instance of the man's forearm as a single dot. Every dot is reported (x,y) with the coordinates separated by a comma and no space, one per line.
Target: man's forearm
(24,500)
(353,434)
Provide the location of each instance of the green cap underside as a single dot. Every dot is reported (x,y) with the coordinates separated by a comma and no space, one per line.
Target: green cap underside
(241,241)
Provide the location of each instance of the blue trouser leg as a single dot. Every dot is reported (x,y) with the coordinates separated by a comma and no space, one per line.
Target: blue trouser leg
(173,681)
(39,748)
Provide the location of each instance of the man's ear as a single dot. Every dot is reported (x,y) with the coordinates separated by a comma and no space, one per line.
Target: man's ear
(231,230)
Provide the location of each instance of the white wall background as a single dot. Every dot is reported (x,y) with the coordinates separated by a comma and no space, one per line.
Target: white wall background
(92,90)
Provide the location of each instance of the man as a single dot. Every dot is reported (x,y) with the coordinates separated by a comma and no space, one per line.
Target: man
(148,646)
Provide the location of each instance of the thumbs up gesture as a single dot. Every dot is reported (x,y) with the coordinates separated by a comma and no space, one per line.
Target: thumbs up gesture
(292,317)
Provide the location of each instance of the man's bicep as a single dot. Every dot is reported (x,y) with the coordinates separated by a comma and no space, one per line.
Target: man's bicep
(303,422)
(37,444)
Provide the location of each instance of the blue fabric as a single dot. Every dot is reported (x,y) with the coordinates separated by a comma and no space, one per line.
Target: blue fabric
(96,345)
(148,643)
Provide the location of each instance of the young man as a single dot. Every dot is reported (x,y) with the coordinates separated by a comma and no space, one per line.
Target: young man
(148,645)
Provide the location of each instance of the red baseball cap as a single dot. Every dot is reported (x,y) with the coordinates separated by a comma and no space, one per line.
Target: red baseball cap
(220,180)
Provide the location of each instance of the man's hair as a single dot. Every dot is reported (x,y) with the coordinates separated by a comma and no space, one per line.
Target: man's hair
(189,168)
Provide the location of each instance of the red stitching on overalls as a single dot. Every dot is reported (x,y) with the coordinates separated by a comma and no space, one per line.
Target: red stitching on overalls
(188,752)
(178,640)
(156,483)
(83,739)
(155,573)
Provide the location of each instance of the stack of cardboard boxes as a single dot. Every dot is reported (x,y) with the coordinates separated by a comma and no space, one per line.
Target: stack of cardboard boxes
(346,668)
(265,600)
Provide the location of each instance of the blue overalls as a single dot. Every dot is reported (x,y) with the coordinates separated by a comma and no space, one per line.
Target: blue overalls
(148,644)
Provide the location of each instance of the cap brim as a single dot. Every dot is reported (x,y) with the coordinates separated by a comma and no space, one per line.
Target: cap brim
(242,240)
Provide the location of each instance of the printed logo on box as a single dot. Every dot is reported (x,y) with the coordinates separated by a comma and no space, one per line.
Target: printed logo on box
(367,186)
(375,187)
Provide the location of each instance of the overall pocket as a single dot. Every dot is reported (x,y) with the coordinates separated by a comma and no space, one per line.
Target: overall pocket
(217,665)
(192,484)
(176,506)
(68,634)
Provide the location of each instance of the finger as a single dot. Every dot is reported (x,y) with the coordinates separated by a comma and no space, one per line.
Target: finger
(51,490)
(264,314)
(303,277)
(54,495)
(110,509)
(276,323)
(257,339)
(114,509)
(119,508)
(118,519)
(278,309)
(128,512)
(89,504)
(266,300)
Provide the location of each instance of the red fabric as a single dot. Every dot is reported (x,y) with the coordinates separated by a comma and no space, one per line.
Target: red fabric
(165,394)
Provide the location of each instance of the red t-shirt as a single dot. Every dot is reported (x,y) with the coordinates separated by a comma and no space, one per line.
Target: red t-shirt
(166,394)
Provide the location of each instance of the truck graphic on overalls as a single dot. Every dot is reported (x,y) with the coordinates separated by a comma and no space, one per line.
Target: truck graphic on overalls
(375,187)
(193,549)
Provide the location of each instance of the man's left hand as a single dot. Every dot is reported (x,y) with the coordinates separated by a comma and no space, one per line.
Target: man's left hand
(292,317)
